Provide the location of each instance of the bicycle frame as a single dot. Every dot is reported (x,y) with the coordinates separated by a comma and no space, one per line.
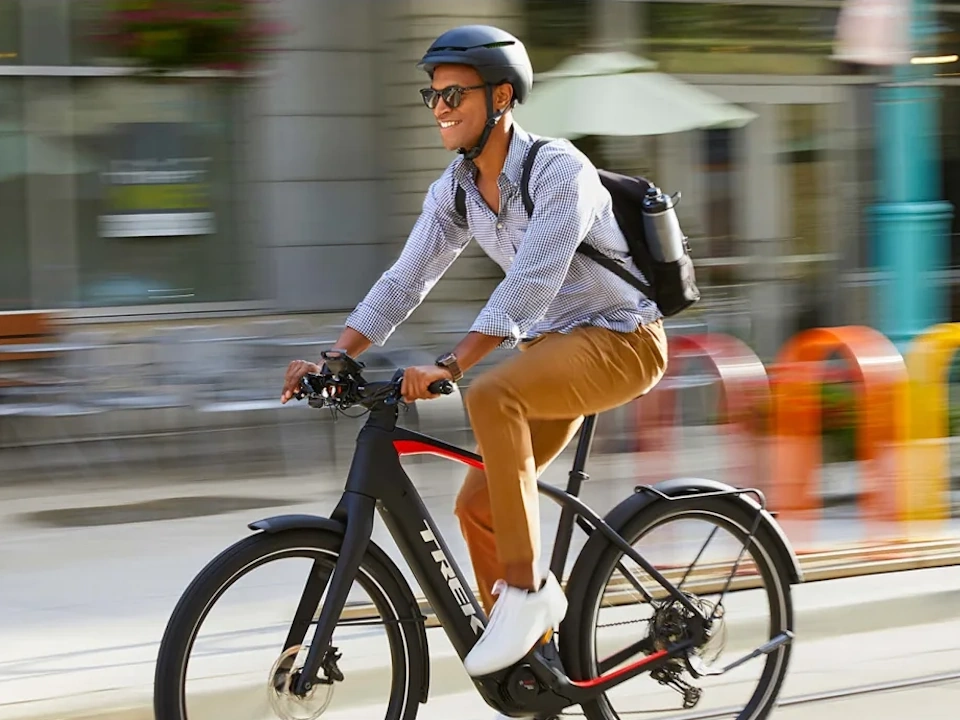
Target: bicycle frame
(378,482)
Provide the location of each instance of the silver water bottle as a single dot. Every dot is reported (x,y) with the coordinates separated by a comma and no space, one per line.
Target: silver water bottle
(664,236)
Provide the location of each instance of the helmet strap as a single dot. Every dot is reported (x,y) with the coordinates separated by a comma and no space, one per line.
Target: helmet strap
(493,117)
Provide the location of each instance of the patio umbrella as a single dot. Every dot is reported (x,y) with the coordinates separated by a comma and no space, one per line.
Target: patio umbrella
(618,93)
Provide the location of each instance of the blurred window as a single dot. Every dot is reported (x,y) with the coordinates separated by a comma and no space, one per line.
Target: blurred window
(155,190)
(113,190)
(14,270)
(10,32)
(743,28)
(45,32)
(555,30)
(730,38)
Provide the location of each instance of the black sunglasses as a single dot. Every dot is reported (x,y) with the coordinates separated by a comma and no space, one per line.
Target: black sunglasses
(452,95)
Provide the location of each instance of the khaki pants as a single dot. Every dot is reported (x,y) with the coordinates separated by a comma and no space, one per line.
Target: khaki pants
(524,412)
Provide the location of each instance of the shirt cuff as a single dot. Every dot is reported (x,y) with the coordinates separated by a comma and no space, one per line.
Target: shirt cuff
(497,323)
(371,324)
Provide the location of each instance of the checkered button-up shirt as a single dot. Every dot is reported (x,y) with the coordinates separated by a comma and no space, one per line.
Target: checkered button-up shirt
(548,286)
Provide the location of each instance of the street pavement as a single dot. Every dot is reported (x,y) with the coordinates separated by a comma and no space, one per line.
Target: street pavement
(90,573)
(840,663)
(850,632)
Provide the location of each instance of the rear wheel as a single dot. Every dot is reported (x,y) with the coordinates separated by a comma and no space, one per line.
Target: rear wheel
(244,667)
(620,613)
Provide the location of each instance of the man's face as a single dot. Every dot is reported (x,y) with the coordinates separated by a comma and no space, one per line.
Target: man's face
(462,125)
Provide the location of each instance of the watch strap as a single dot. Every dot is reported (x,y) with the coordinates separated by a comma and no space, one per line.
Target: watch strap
(449,361)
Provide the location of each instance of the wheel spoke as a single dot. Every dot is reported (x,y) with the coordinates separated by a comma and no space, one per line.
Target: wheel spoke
(716,529)
(220,654)
(703,583)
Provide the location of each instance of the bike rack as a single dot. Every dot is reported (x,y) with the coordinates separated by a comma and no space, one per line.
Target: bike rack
(744,387)
(883,382)
(928,360)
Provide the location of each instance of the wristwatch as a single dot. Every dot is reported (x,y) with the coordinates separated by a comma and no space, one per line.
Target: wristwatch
(449,361)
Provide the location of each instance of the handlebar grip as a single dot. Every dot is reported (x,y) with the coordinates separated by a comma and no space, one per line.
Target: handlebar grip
(442,387)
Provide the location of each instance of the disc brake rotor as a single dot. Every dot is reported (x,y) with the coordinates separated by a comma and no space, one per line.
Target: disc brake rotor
(284,702)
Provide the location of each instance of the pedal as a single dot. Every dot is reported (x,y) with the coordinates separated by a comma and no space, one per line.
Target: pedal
(550,653)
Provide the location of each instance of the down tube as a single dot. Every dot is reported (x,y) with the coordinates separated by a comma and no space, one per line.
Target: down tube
(428,556)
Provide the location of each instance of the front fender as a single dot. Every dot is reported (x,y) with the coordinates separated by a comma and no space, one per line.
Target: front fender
(679,487)
(279,523)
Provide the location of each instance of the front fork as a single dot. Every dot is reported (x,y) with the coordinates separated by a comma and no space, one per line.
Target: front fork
(356,513)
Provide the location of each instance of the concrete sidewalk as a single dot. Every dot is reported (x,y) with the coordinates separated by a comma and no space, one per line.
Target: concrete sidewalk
(86,671)
(91,573)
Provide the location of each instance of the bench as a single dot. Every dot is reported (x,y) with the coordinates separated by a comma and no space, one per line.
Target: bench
(22,328)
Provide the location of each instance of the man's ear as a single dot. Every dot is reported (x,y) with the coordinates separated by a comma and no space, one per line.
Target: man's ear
(503,96)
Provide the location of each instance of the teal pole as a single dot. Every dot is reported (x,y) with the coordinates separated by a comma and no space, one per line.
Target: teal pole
(911,222)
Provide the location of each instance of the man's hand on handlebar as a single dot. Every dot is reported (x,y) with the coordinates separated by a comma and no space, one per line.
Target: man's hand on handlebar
(296,370)
(417,380)
(340,384)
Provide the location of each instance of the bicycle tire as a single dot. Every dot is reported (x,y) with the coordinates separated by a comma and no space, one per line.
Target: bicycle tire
(392,598)
(586,587)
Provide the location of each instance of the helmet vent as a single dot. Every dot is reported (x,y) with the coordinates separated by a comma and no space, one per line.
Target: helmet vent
(461,48)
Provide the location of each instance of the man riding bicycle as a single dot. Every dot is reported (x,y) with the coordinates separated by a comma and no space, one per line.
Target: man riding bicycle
(589,340)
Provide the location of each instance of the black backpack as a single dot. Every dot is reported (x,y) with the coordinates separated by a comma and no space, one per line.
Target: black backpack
(673,284)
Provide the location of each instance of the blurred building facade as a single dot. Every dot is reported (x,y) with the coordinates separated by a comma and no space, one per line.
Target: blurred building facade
(313,172)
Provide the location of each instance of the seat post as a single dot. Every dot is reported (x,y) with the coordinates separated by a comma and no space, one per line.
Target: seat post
(583,452)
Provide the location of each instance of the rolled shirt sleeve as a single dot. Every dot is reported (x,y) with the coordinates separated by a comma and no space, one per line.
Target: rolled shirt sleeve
(437,239)
(565,190)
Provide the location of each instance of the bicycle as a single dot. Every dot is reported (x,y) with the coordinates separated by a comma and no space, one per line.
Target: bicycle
(558,674)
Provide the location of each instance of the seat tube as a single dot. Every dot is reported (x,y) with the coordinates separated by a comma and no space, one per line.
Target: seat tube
(561,546)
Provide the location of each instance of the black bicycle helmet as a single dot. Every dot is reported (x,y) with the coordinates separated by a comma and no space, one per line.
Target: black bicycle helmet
(498,57)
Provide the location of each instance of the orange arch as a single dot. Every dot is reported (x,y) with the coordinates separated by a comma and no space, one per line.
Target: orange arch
(744,387)
(743,378)
(882,383)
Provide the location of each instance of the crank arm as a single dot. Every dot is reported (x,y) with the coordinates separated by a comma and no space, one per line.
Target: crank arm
(765,649)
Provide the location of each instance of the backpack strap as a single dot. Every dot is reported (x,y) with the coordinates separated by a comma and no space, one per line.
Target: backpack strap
(525,175)
(591,252)
(461,201)
(615,267)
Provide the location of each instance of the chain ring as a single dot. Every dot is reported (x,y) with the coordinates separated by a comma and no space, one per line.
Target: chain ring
(280,695)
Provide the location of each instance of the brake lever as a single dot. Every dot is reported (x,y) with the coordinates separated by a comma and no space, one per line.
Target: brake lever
(304,390)
(308,389)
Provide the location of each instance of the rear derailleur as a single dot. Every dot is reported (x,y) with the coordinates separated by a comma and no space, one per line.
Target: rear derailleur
(670,676)
(672,623)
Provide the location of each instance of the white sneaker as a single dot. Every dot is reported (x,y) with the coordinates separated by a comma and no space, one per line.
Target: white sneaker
(519,619)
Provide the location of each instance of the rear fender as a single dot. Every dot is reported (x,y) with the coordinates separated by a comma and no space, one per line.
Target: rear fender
(683,487)
(571,645)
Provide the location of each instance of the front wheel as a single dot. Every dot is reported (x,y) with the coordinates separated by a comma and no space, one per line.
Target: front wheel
(239,661)
(618,613)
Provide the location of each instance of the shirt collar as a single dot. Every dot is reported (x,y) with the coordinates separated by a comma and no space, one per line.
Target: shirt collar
(520,142)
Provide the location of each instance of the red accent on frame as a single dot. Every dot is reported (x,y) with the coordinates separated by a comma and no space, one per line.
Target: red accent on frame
(415,447)
(622,671)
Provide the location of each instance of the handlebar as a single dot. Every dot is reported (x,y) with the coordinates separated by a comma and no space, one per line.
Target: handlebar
(341,385)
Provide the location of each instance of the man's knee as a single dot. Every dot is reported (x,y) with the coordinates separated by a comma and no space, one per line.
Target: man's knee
(473,501)
(486,394)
